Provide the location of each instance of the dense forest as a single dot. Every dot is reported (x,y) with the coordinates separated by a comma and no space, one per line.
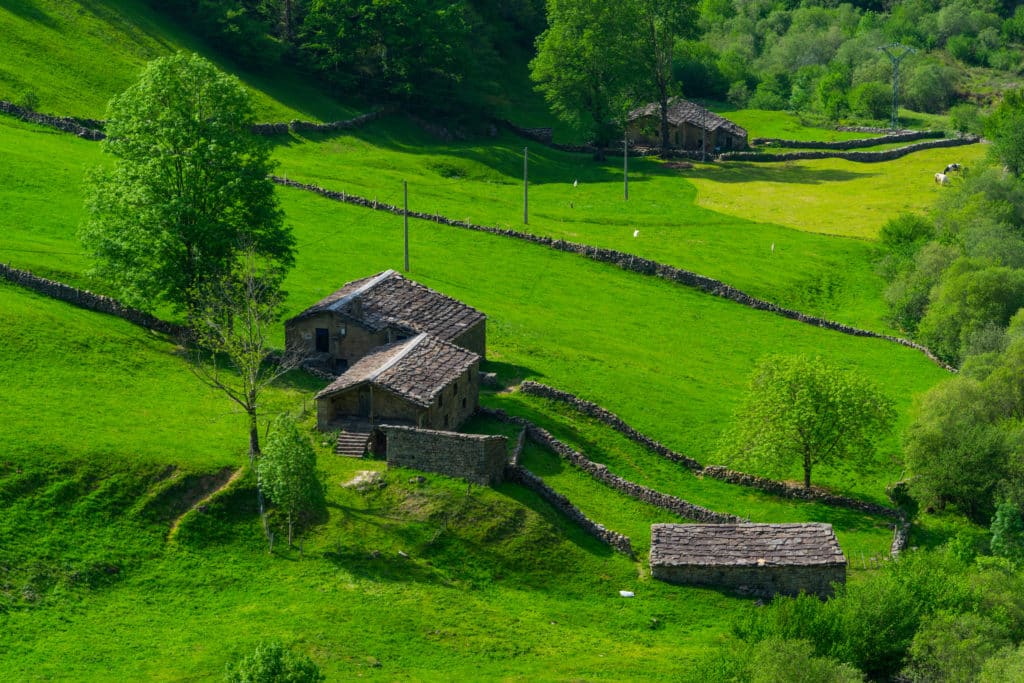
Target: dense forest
(817,57)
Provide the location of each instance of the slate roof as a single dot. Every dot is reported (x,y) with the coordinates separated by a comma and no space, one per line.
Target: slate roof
(683,111)
(744,545)
(416,369)
(389,300)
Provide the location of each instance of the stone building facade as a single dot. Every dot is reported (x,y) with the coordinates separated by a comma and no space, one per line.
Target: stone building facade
(691,126)
(382,309)
(759,559)
(478,458)
(423,381)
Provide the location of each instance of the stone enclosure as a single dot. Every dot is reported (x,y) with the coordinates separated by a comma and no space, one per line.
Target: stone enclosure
(478,458)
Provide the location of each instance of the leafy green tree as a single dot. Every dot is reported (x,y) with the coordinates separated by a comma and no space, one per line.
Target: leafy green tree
(954,451)
(1006,666)
(660,23)
(968,298)
(1008,531)
(872,100)
(805,411)
(585,64)
(188,188)
(287,472)
(273,663)
(953,647)
(1005,128)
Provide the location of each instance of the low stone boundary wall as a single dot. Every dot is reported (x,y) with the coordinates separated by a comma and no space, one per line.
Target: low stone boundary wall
(903,136)
(600,472)
(777,488)
(311,127)
(478,458)
(517,450)
(630,262)
(609,418)
(527,479)
(784,490)
(88,300)
(83,128)
(887,155)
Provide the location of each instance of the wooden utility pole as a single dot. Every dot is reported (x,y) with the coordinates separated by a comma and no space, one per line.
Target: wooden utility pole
(405,216)
(625,166)
(526,187)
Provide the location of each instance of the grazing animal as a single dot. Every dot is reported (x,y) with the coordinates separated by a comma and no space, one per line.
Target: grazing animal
(941,179)
(950,168)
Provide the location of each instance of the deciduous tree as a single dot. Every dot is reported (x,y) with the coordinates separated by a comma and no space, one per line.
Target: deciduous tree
(806,412)
(189,186)
(287,472)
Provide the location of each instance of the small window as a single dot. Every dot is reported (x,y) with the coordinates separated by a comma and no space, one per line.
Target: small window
(445,420)
(342,329)
(323,340)
(463,401)
(440,400)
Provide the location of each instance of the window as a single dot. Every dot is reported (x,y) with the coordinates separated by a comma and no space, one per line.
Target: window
(445,420)
(463,401)
(342,329)
(323,340)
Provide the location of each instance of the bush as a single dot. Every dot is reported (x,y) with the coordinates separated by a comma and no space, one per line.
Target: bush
(930,87)
(871,100)
(1008,532)
(739,94)
(964,118)
(272,663)
(28,99)
(953,647)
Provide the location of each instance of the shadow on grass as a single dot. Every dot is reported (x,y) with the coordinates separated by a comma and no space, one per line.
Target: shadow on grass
(502,154)
(575,534)
(26,9)
(775,172)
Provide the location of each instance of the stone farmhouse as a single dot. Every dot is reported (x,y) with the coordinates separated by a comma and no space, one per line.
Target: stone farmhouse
(381,309)
(689,124)
(760,559)
(423,382)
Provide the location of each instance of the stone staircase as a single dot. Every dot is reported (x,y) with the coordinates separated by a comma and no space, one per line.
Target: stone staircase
(352,442)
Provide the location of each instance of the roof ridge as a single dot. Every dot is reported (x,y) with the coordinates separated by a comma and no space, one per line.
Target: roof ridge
(365,287)
(410,345)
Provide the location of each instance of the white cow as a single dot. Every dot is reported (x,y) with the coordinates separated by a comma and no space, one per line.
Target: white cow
(941,179)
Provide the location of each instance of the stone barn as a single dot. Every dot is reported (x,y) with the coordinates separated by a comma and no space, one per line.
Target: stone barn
(422,381)
(343,327)
(688,125)
(761,559)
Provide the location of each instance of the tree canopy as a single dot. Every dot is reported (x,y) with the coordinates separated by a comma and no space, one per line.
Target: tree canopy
(189,187)
(288,474)
(806,412)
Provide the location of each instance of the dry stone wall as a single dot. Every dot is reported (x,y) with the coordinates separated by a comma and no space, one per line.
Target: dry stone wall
(89,300)
(523,477)
(630,262)
(83,128)
(903,136)
(886,155)
(474,457)
(312,127)
(600,472)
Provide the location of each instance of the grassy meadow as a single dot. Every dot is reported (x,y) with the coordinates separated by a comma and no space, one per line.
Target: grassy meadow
(106,437)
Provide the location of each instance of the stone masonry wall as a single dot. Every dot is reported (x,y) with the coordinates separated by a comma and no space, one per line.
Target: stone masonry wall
(903,136)
(83,128)
(474,457)
(523,477)
(886,155)
(764,581)
(713,471)
(88,300)
(600,472)
(630,262)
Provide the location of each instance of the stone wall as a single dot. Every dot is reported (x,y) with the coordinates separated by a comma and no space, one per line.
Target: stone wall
(600,472)
(886,155)
(88,300)
(630,262)
(903,136)
(474,457)
(609,418)
(83,128)
(763,581)
(311,127)
(527,479)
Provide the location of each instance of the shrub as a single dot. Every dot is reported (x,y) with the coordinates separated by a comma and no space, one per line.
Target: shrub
(871,100)
(953,647)
(739,94)
(272,663)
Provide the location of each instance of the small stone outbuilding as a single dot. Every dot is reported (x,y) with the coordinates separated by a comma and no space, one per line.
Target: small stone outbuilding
(690,127)
(760,559)
(423,381)
(381,309)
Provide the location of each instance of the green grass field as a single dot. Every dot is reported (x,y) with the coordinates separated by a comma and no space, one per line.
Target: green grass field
(105,433)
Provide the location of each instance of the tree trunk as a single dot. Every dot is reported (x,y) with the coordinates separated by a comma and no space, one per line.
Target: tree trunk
(254,453)
(807,470)
(664,122)
(289,530)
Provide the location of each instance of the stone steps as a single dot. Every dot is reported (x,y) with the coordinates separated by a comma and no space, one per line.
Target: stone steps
(352,443)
